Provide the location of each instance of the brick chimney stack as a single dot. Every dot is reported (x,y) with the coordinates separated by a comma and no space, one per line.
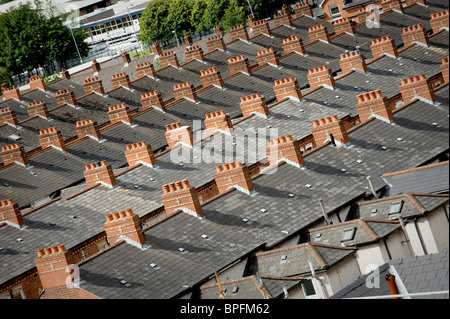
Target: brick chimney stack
(318,32)
(156,49)
(388,5)
(51,265)
(177,134)
(250,21)
(211,77)
(344,25)
(445,69)
(99,173)
(14,153)
(293,44)
(8,116)
(126,57)
(93,85)
(66,97)
(417,87)
(321,76)
(181,196)
(330,126)
(234,175)
(188,40)
(282,18)
(38,108)
(269,56)
(96,66)
(303,8)
(121,79)
(194,53)
(120,113)
(11,93)
(287,88)
(353,61)
(88,128)
(140,153)
(184,90)
(254,104)
(239,32)
(218,121)
(384,46)
(145,69)
(10,213)
(261,27)
(65,74)
(285,149)
(362,16)
(124,225)
(239,64)
(37,82)
(215,43)
(52,137)
(440,20)
(153,100)
(169,58)
(374,104)
(415,34)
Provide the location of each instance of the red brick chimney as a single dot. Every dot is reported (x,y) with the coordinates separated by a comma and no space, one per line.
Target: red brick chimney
(234,175)
(287,88)
(184,90)
(10,213)
(93,85)
(126,226)
(353,61)
(156,49)
(384,46)
(152,100)
(11,93)
(303,8)
(181,196)
(52,137)
(65,74)
(188,40)
(239,32)
(362,15)
(96,66)
(417,87)
(415,34)
(344,25)
(321,76)
(374,104)
(14,154)
(8,116)
(250,21)
(219,31)
(440,20)
(239,64)
(145,69)
(168,58)
(177,134)
(211,77)
(121,79)
(261,27)
(99,173)
(37,82)
(140,153)
(293,44)
(318,32)
(388,5)
(38,108)
(254,104)
(218,121)
(66,97)
(445,69)
(194,53)
(52,264)
(269,56)
(88,128)
(120,113)
(126,57)
(215,42)
(285,149)
(324,128)
(282,18)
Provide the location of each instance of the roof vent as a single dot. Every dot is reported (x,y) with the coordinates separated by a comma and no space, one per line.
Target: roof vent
(154,266)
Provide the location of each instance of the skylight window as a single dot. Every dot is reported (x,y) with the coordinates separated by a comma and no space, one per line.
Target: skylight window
(318,237)
(14,137)
(182,250)
(348,234)
(235,290)
(374,212)
(396,207)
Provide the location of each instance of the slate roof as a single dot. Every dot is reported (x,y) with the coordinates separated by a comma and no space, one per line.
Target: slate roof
(428,273)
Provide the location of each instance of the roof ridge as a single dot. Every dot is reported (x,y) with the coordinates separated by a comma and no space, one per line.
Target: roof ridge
(419,168)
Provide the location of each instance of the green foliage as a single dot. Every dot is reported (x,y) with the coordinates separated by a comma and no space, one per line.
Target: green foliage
(179,17)
(5,76)
(235,14)
(154,23)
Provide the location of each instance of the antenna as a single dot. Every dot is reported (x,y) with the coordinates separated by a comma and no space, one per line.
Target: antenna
(220,285)
(323,212)
(371,187)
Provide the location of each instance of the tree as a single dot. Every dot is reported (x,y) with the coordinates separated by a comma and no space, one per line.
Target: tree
(154,24)
(235,14)
(197,14)
(179,16)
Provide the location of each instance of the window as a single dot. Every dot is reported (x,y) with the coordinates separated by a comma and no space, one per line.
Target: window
(334,11)
(318,237)
(308,289)
(374,212)
(396,207)
(348,234)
